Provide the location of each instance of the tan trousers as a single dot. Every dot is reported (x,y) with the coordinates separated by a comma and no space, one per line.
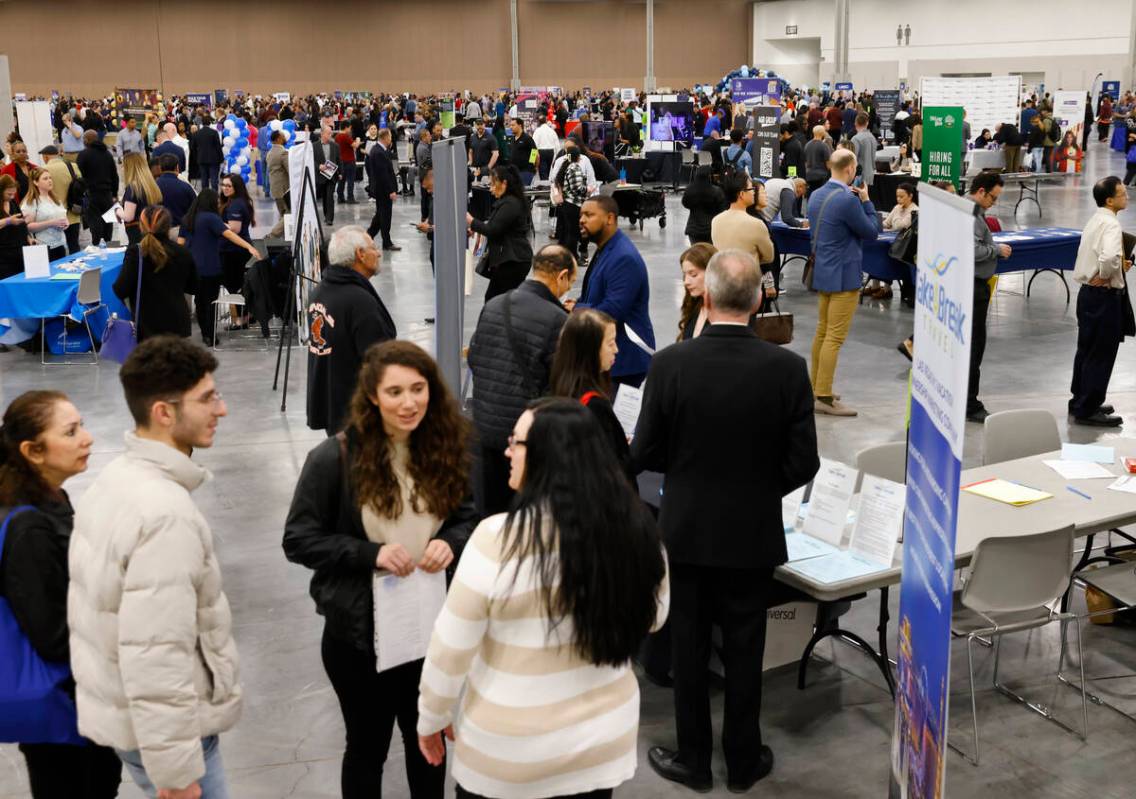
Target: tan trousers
(278,229)
(834,318)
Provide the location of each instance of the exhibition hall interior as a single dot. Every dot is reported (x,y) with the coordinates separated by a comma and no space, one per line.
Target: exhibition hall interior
(539,399)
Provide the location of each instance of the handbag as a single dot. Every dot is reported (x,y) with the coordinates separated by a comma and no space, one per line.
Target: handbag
(34,704)
(906,244)
(810,263)
(76,192)
(776,328)
(120,336)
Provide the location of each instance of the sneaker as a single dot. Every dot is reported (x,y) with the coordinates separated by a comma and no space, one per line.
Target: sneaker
(832,407)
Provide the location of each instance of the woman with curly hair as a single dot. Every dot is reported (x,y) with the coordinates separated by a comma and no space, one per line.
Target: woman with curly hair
(692,316)
(388,495)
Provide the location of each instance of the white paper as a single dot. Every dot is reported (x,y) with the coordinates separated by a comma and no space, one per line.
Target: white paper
(638,342)
(111,216)
(791,508)
(289,227)
(829,501)
(1088,452)
(880,520)
(1127,484)
(628,403)
(836,568)
(802,547)
(405,611)
(1079,470)
(36,262)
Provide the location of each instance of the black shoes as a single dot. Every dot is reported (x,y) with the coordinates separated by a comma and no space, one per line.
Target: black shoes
(761,771)
(391,247)
(1106,409)
(978,415)
(664,763)
(1099,419)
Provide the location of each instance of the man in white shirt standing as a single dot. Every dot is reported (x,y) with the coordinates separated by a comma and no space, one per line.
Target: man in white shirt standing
(1101,301)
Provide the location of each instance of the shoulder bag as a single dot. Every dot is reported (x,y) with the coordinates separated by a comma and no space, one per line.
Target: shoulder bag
(810,264)
(120,336)
(35,707)
(776,328)
(76,192)
(906,243)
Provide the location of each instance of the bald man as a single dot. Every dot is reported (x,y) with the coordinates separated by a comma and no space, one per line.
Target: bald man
(167,146)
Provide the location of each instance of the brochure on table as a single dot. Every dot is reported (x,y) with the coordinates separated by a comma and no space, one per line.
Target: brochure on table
(829,502)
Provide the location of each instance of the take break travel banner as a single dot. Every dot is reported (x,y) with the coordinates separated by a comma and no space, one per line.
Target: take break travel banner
(944,297)
(942,146)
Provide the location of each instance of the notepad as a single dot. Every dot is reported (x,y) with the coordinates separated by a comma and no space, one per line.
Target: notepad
(1127,484)
(1079,470)
(1005,491)
(1090,453)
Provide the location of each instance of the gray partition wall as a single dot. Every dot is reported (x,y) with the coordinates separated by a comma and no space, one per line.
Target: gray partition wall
(451,194)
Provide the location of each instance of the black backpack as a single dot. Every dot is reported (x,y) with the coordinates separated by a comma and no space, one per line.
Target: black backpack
(76,192)
(731,167)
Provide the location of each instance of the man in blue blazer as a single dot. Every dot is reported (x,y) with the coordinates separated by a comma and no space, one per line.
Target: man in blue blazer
(841,219)
(616,283)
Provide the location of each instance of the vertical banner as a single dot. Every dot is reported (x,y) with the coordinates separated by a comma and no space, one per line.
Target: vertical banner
(34,119)
(766,142)
(887,106)
(1111,88)
(944,298)
(220,97)
(942,144)
(1069,112)
(306,227)
(451,200)
(446,113)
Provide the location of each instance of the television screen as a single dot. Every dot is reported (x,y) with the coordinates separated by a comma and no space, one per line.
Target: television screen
(672,122)
(599,137)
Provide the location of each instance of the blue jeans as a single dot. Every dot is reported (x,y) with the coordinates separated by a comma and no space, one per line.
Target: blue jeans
(212,784)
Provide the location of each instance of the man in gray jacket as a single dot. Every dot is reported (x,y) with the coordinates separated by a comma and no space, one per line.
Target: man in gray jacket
(152,650)
(984,190)
(510,356)
(864,145)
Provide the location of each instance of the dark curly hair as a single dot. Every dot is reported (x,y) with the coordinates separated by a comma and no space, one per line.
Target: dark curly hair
(439,455)
(25,420)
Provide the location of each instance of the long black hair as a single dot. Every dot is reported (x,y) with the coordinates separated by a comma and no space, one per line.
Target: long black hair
(240,192)
(576,365)
(595,550)
(205,202)
(511,177)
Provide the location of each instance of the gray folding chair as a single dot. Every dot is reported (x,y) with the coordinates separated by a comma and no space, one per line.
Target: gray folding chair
(90,296)
(1009,435)
(888,461)
(1016,584)
(1118,583)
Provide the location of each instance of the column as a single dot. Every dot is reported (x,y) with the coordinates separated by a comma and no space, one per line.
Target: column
(840,42)
(649,80)
(515,81)
(7,123)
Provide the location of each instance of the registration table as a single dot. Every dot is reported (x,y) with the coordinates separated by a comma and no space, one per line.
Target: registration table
(24,302)
(980,518)
(1044,249)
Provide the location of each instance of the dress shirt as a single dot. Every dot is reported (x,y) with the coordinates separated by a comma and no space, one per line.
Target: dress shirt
(1101,253)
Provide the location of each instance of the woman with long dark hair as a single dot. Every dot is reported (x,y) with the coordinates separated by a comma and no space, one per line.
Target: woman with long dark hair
(387,496)
(202,231)
(692,316)
(168,275)
(238,215)
(508,254)
(546,611)
(14,234)
(42,444)
(581,370)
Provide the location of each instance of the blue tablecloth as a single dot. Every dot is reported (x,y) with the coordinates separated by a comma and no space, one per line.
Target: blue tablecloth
(24,302)
(1035,248)
(1119,135)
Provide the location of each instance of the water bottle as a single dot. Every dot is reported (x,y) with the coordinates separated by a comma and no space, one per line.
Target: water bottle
(623,175)
(102,248)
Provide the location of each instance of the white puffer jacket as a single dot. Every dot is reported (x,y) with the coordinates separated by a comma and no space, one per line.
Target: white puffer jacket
(152,651)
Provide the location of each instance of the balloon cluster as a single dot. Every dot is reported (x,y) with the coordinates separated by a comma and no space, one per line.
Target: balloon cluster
(745,72)
(235,146)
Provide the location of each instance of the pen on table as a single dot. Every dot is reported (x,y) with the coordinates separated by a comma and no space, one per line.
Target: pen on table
(1078,492)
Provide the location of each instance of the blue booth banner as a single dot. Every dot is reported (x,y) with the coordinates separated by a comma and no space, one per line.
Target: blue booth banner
(844,87)
(756,91)
(199,98)
(1111,88)
(944,299)
(220,96)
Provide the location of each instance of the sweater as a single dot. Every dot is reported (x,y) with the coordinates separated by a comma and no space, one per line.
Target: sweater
(737,230)
(535,719)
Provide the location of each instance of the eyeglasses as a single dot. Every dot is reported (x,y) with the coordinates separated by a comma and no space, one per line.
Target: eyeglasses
(515,442)
(212,398)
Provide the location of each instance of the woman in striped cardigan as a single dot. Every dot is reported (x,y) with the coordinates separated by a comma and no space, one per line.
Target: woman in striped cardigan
(549,604)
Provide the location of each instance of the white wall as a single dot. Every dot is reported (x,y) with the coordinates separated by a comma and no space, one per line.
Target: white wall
(948,36)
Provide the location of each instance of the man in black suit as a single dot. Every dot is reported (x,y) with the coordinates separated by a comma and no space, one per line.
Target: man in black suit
(383,186)
(728,418)
(324,151)
(207,143)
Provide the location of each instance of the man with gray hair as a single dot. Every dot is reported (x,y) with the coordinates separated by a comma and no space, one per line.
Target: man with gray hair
(345,317)
(728,418)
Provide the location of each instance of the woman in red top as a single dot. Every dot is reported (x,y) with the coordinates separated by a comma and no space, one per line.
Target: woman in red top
(20,168)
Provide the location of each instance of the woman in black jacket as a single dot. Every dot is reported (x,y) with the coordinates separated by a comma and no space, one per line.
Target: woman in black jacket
(42,444)
(388,496)
(508,251)
(704,201)
(168,274)
(581,371)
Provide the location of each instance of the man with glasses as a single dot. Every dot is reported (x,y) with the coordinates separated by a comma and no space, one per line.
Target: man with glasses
(985,189)
(734,228)
(152,651)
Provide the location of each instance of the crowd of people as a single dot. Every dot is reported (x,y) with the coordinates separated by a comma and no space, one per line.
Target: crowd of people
(559,575)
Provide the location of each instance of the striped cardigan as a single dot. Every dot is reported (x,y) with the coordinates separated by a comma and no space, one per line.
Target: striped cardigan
(535,720)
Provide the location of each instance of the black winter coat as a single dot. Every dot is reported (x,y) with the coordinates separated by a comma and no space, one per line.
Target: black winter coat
(208,142)
(505,377)
(96,164)
(324,532)
(704,200)
(34,575)
(507,230)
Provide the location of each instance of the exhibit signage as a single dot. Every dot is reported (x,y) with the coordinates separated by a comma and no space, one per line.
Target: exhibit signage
(199,98)
(766,141)
(944,298)
(446,113)
(844,87)
(1111,88)
(942,144)
(220,96)
(755,91)
(887,106)
(627,95)
(1069,112)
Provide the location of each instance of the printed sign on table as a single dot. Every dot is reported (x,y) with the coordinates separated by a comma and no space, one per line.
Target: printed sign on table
(887,106)
(944,298)
(942,144)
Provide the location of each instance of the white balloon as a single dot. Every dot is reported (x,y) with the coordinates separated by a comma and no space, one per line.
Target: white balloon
(230,124)
(276,124)
(226,148)
(242,160)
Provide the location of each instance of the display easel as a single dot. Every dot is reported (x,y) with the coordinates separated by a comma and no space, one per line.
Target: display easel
(295,282)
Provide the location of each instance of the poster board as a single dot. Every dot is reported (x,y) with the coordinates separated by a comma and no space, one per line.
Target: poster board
(887,106)
(34,120)
(766,142)
(1069,112)
(135,103)
(988,101)
(942,144)
(306,223)
(670,123)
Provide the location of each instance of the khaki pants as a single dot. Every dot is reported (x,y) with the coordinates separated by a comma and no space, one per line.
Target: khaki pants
(834,318)
(278,229)
(1013,159)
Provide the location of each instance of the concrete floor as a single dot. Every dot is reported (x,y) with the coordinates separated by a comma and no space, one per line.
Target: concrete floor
(831,740)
